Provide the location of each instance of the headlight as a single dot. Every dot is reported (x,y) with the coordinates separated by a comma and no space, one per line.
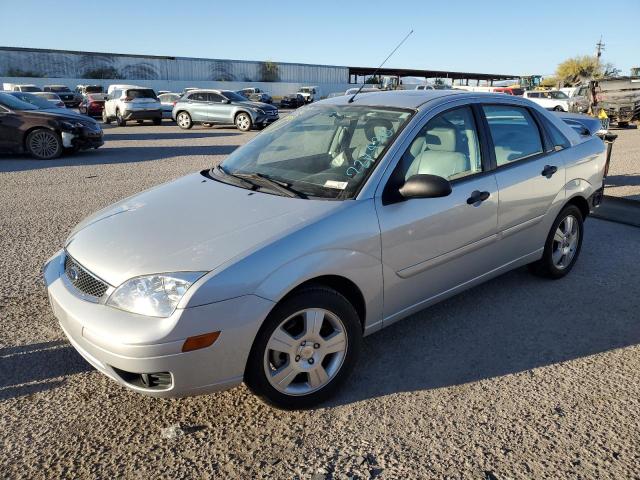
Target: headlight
(71,125)
(153,295)
(258,110)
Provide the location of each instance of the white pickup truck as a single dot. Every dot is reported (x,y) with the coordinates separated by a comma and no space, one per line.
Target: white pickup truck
(310,94)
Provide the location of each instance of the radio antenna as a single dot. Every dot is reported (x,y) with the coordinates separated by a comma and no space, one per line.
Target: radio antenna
(381,65)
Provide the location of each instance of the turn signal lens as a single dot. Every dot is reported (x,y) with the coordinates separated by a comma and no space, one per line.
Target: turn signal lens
(200,341)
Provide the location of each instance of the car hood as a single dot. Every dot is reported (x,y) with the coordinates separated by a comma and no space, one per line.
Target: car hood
(191,224)
(58,114)
(263,106)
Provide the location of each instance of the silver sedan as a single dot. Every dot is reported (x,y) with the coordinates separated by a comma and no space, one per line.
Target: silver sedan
(339,220)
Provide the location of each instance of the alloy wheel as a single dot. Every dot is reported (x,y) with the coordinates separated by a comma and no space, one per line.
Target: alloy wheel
(44,144)
(305,352)
(565,242)
(183,120)
(243,122)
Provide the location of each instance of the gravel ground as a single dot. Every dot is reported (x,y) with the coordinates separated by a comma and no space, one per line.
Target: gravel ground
(518,378)
(624,170)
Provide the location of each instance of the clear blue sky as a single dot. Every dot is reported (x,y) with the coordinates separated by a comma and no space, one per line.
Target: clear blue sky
(477,36)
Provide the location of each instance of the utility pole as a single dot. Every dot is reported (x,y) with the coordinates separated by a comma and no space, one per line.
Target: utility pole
(599,48)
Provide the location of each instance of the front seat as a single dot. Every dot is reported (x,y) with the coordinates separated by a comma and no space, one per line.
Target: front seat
(439,156)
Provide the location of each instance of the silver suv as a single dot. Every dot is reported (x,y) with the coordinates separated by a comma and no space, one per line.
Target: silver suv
(132,103)
(222,107)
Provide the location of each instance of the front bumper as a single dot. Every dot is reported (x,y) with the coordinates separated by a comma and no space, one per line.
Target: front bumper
(265,119)
(82,138)
(125,346)
(142,114)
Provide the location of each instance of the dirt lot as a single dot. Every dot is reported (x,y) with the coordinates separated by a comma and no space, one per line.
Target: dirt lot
(518,378)
(624,173)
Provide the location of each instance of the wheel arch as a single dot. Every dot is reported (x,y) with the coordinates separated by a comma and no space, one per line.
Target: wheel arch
(582,204)
(347,288)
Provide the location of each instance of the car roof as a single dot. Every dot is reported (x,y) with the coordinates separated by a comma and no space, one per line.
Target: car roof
(396,98)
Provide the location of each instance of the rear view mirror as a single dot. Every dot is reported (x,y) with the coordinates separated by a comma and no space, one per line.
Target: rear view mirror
(425,186)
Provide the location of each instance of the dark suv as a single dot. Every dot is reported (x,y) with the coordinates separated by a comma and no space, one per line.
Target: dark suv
(70,99)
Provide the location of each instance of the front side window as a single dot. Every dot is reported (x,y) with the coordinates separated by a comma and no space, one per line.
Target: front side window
(514,132)
(321,151)
(447,146)
(214,97)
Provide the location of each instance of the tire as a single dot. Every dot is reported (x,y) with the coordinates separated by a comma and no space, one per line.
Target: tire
(563,244)
(43,144)
(105,117)
(243,122)
(310,373)
(622,124)
(558,108)
(120,119)
(183,119)
(157,121)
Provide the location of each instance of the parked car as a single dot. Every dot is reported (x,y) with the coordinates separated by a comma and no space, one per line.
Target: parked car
(167,102)
(341,220)
(246,92)
(92,104)
(44,133)
(509,90)
(52,98)
(83,90)
(222,107)
(550,99)
(261,97)
(15,87)
(310,94)
(132,103)
(424,87)
(293,100)
(70,99)
(37,100)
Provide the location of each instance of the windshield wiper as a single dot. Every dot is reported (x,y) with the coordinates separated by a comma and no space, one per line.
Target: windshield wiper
(261,180)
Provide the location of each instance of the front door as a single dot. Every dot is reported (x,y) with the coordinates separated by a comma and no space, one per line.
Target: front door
(10,123)
(431,246)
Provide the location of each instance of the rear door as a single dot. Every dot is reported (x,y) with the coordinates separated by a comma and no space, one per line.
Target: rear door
(198,102)
(430,246)
(530,173)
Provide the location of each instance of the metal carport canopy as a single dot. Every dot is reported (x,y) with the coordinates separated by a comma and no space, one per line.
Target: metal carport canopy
(407,72)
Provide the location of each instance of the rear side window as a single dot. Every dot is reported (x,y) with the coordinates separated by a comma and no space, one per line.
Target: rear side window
(199,97)
(557,138)
(514,132)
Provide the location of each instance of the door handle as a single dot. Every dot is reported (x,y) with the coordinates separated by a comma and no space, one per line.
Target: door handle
(549,170)
(477,197)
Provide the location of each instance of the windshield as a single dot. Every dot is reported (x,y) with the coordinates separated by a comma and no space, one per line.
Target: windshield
(96,89)
(58,88)
(304,90)
(233,96)
(32,88)
(322,150)
(32,99)
(13,103)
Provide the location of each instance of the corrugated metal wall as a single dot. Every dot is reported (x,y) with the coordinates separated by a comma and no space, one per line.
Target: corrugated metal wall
(60,64)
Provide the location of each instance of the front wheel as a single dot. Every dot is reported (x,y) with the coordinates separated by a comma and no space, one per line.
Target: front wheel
(44,144)
(120,119)
(305,350)
(243,122)
(184,120)
(563,245)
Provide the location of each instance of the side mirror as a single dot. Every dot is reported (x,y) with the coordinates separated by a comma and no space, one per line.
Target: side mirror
(227,101)
(425,186)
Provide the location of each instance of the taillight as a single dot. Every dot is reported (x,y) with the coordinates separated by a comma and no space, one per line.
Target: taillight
(174,103)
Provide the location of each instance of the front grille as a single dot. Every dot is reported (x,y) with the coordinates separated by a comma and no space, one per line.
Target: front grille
(82,280)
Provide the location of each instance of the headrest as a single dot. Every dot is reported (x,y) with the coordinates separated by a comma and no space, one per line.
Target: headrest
(377,127)
(441,139)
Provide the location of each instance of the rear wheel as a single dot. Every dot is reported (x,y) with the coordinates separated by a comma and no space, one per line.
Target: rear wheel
(120,119)
(243,122)
(563,245)
(105,117)
(184,120)
(558,108)
(44,144)
(157,121)
(305,350)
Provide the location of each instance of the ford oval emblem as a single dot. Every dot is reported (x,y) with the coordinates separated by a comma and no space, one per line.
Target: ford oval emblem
(74,274)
